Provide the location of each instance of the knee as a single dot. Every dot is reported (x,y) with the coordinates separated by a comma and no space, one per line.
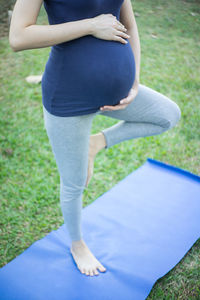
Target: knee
(175,115)
(172,115)
(71,191)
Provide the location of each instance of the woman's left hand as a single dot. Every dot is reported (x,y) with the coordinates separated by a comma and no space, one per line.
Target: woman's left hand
(123,102)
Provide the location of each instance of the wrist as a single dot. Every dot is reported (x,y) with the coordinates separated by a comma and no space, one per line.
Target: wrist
(91,26)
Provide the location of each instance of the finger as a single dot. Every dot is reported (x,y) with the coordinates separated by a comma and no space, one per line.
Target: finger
(122,34)
(120,39)
(120,26)
(126,100)
(107,108)
(130,95)
(118,22)
(113,106)
(116,107)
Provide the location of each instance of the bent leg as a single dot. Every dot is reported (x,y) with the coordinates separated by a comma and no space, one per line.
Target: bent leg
(150,113)
(69,139)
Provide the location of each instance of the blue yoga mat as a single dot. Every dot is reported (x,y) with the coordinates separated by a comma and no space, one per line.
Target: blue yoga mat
(139,230)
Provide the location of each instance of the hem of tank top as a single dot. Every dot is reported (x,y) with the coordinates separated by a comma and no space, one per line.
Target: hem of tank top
(86,112)
(96,111)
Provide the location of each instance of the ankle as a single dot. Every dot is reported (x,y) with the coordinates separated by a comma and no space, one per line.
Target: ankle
(77,243)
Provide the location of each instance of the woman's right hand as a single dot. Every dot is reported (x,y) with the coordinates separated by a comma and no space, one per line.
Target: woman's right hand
(107,27)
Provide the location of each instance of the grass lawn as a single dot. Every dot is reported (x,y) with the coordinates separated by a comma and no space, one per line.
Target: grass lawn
(170,46)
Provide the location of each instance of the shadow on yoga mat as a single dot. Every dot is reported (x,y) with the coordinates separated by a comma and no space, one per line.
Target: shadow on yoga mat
(139,230)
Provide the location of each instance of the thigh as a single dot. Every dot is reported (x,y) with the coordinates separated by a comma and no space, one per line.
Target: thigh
(69,139)
(148,106)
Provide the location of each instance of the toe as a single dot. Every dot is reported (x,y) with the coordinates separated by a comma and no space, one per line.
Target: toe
(101,268)
(87,272)
(82,270)
(96,272)
(91,272)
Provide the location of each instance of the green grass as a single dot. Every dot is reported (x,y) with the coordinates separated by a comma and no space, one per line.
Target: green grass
(29,178)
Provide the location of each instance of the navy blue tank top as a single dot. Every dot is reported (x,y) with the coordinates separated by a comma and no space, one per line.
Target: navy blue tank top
(86,73)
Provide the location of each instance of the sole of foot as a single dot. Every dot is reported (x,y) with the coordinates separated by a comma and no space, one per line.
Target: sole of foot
(97,142)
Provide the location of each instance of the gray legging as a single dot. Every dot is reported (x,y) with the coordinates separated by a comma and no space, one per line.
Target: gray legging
(150,113)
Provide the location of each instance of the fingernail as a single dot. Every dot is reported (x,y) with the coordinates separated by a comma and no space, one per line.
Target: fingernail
(121,102)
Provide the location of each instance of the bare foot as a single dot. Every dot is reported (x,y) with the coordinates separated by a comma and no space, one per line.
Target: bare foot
(97,142)
(85,260)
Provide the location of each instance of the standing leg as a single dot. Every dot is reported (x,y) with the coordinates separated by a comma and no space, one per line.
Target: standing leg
(69,139)
(150,113)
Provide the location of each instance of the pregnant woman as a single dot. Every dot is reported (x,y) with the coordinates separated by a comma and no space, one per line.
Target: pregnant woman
(93,69)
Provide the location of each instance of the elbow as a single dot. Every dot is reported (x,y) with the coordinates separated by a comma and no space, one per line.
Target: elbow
(16,40)
(15,44)
(13,47)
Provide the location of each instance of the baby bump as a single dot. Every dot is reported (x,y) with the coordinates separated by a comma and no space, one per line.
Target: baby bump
(98,70)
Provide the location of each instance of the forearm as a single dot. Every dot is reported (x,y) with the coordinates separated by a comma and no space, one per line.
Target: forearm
(40,36)
(135,45)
